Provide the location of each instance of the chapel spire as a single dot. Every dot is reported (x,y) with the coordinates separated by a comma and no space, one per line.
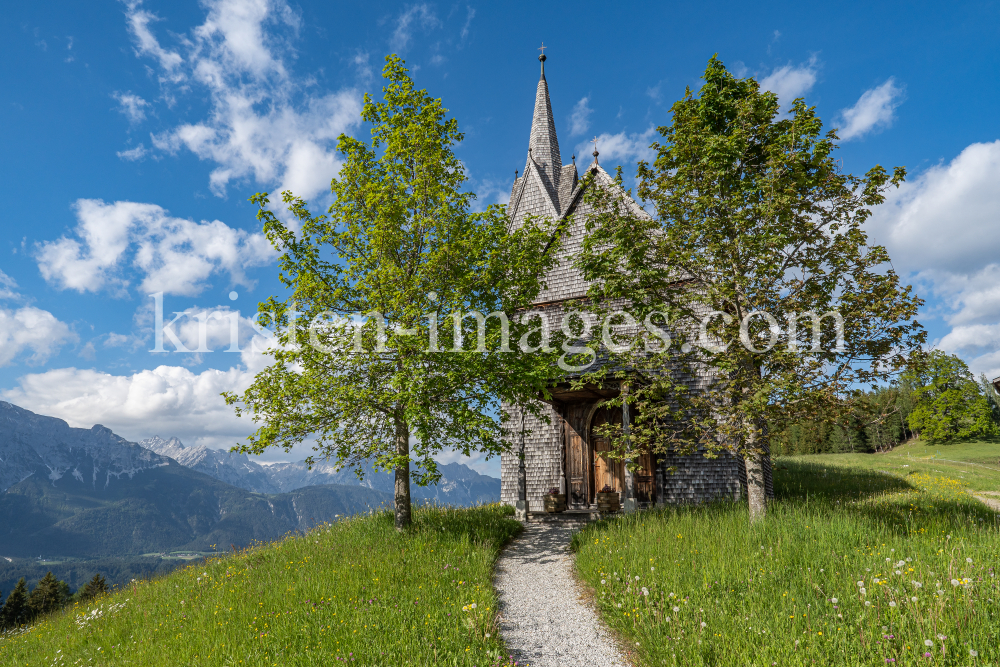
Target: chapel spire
(543,147)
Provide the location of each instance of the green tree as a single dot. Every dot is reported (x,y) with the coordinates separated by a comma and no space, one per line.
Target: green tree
(400,247)
(948,402)
(97,586)
(47,596)
(990,392)
(755,225)
(15,610)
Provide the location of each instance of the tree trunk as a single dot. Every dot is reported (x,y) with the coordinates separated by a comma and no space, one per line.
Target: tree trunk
(760,481)
(402,496)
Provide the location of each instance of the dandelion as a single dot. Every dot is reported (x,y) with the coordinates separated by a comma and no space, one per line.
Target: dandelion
(913,599)
(704,624)
(892,603)
(942,637)
(973,653)
(861,584)
(651,569)
(676,609)
(864,592)
(602,581)
(968,560)
(867,603)
(954,582)
(833,600)
(645,591)
(637,577)
(928,643)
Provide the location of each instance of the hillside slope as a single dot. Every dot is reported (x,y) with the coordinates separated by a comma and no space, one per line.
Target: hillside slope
(356,591)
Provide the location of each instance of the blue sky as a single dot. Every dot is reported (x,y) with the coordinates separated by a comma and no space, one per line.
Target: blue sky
(134,133)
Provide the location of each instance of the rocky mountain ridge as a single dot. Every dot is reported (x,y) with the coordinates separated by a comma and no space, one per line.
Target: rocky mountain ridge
(459,484)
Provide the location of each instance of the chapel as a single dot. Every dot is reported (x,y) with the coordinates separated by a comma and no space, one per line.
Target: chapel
(566,453)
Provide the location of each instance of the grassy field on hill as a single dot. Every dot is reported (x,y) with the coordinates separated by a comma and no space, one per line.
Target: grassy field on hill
(353,592)
(861,561)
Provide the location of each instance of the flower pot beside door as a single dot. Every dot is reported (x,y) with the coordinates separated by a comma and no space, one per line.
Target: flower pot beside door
(555,501)
(608,500)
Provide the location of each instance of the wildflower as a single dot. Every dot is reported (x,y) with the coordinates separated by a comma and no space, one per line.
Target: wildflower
(928,642)
(861,584)
(913,599)
(942,637)
(867,603)
(602,581)
(927,655)
(973,653)
(968,560)
(645,592)
(864,592)
(833,600)
(954,582)
(704,624)
(651,569)
(917,584)
(676,609)
(637,577)
(892,603)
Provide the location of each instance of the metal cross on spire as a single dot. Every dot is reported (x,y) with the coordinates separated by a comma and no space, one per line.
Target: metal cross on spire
(595,153)
(542,48)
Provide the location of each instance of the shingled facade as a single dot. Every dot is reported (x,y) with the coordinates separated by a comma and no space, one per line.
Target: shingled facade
(566,453)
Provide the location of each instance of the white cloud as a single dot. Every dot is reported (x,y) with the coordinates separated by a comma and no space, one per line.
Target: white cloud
(171,255)
(791,81)
(33,330)
(263,123)
(622,148)
(941,230)
(167,399)
(470,14)
(416,16)
(579,120)
(133,154)
(131,105)
(146,43)
(8,287)
(873,110)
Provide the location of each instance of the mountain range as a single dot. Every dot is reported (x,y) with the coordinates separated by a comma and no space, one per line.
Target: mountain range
(459,484)
(69,495)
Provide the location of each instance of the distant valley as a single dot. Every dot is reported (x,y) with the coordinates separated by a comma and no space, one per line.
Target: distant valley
(79,498)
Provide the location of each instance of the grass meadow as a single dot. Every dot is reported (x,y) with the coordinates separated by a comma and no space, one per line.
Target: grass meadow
(353,592)
(860,561)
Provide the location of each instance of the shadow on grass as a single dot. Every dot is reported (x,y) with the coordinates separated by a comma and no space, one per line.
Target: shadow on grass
(802,480)
(490,525)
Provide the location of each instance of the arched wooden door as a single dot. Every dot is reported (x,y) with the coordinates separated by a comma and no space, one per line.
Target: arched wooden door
(607,472)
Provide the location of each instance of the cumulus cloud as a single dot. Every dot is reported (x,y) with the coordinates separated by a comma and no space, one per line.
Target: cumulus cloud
(873,110)
(791,81)
(166,399)
(940,229)
(31,330)
(263,123)
(624,148)
(579,120)
(131,106)
(171,255)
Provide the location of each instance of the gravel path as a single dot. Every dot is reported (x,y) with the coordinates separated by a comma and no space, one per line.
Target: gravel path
(543,619)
